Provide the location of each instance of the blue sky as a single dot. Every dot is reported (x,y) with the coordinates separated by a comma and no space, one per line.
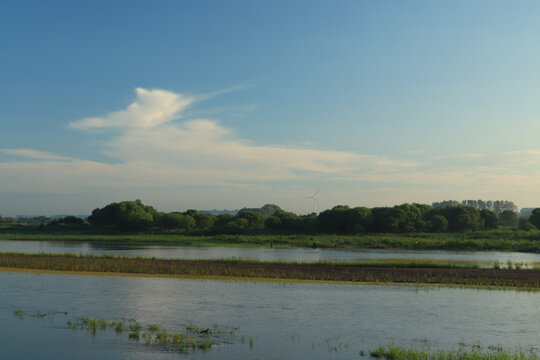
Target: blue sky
(214,104)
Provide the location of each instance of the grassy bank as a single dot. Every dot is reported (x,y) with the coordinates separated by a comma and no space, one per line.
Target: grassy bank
(500,240)
(419,272)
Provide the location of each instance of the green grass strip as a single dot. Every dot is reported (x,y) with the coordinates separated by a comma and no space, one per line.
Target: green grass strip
(499,240)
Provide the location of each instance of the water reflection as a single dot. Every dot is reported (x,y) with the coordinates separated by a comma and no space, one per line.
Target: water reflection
(263,254)
(293,321)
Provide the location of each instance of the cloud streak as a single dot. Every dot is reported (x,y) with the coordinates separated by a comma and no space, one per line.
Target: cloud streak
(35,154)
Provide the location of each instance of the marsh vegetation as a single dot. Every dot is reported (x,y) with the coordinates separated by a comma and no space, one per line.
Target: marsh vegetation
(391,271)
(392,352)
(185,338)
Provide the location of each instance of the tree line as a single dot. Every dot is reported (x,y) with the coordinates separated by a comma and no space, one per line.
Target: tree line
(341,219)
(498,206)
(134,216)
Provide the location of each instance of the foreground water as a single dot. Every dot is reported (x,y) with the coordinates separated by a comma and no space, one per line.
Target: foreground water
(262,254)
(287,321)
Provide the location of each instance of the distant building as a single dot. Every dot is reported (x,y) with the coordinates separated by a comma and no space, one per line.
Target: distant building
(526,212)
(218,212)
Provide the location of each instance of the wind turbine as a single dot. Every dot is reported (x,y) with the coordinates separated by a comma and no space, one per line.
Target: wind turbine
(314,197)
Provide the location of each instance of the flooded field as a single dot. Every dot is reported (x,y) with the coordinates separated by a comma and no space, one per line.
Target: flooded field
(285,320)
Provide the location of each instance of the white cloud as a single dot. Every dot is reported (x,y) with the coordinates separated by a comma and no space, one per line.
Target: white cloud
(151,108)
(206,144)
(158,157)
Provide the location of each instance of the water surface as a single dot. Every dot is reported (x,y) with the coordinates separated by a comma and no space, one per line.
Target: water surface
(262,254)
(293,321)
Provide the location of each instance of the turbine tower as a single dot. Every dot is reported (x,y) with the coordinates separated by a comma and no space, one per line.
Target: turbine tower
(314,197)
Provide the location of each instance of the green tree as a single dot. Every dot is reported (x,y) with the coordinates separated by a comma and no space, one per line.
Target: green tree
(237,226)
(490,219)
(290,222)
(358,220)
(172,220)
(527,226)
(188,223)
(269,209)
(255,220)
(460,218)
(508,218)
(535,218)
(220,223)
(438,223)
(125,215)
(386,219)
(272,223)
(334,220)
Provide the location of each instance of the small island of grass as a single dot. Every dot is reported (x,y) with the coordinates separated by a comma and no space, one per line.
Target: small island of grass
(419,272)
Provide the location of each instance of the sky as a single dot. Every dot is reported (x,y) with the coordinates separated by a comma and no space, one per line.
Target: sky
(231,104)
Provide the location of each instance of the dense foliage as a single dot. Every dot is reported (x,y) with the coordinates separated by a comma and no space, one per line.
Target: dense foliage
(341,219)
(134,216)
(497,206)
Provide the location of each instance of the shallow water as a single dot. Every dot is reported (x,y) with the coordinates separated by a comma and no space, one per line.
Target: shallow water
(262,254)
(293,321)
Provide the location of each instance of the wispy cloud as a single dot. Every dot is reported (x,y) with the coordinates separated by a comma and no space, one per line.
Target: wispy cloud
(151,108)
(35,154)
(226,90)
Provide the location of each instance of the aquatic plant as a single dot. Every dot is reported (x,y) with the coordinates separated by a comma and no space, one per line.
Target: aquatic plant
(163,337)
(392,352)
(119,326)
(135,331)
(189,338)
(178,338)
(207,344)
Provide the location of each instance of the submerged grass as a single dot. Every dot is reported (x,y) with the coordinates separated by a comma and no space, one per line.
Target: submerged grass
(186,339)
(400,271)
(392,352)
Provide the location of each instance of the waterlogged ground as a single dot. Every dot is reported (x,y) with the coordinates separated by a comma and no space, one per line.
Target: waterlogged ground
(484,258)
(293,321)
